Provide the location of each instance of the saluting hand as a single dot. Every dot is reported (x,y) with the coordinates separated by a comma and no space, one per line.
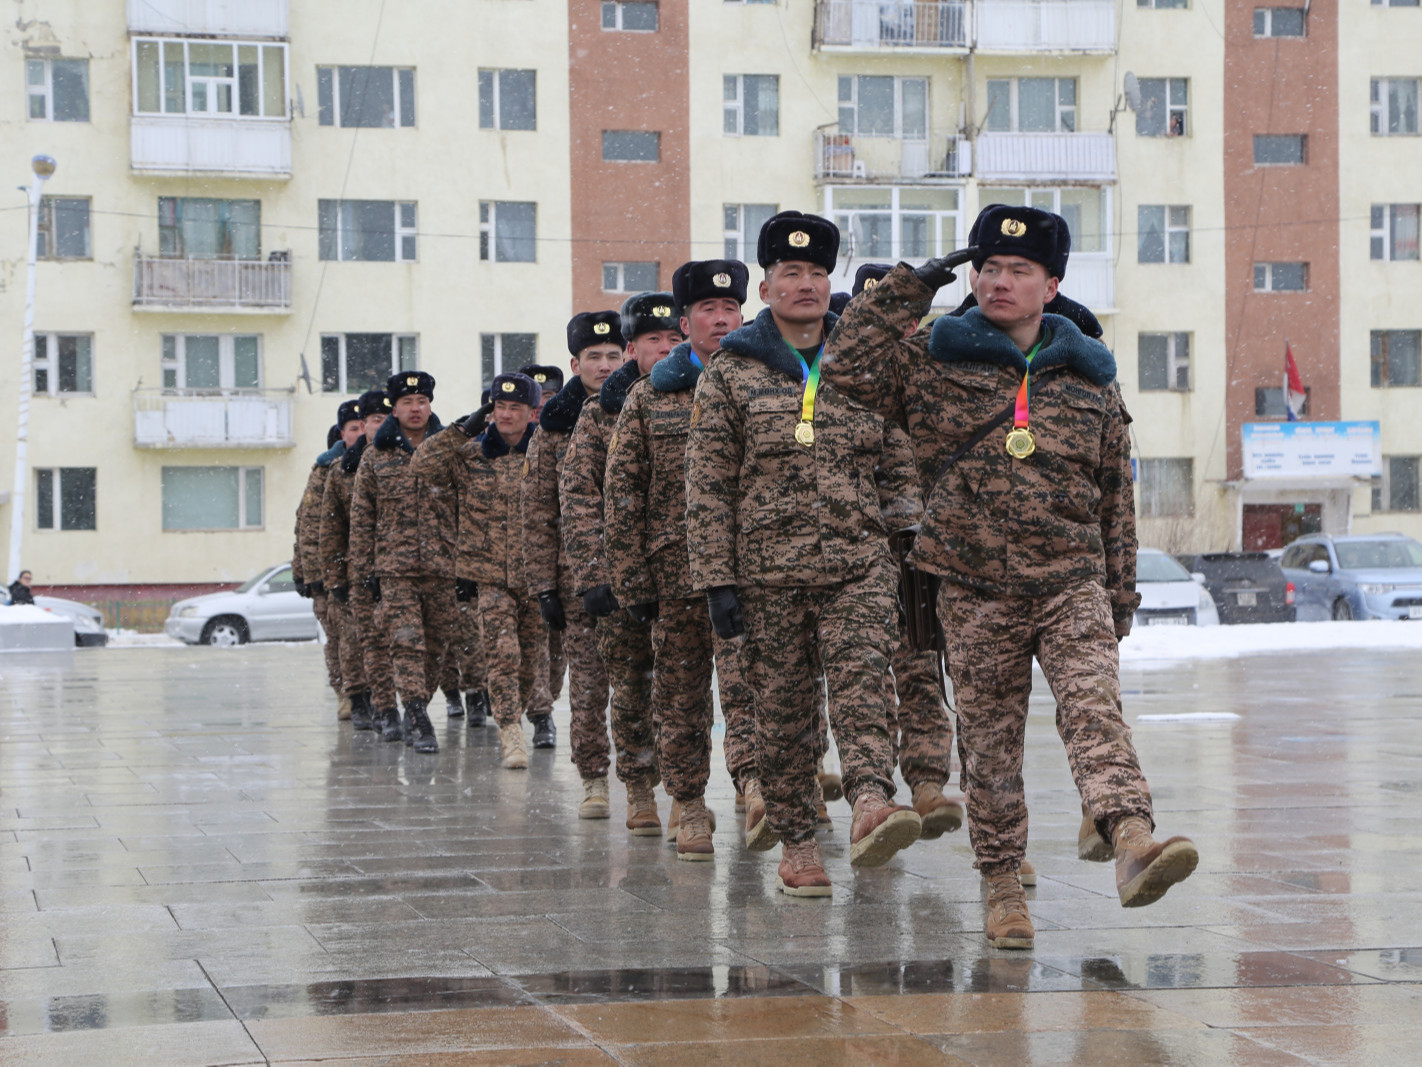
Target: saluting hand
(937,273)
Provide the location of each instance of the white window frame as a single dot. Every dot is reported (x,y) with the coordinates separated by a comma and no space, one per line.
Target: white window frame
(47,228)
(57,498)
(1065,115)
(620,269)
(396,95)
(177,364)
(1381,235)
(733,105)
(1164,5)
(235,115)
(1378,92)
(244,525)
(496,95)
(1268,277)
(489,231)
(1148,495)
(1384,339)
(617,27)
(404,356)
(47,361)
(737,241)
(1170,226)
(45,90)
(403,232)
(1265,27)
(1172,107)
(498,366)
(899,80)
(1176,360)
(947,223)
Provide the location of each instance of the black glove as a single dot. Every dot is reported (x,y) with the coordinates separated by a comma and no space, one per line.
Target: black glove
(725,611)
(372,585)
(342,593)
(302,589)
(644,613)
(599,601)
(316,588)
(937,273)
(465,590)
(473,424)
(551,608)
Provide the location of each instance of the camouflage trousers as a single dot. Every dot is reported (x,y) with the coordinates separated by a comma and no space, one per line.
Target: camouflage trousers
(919,728)
(852,625)
(681,656)
(587,690)
(991,643)
(320,603)
(516,642)
(626,648)
(418,616)
(351,651)
(375,649)
(737,704)
(467,666)
(557,661)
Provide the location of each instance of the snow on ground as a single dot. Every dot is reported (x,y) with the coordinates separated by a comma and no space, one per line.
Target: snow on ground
(134,639)
(1148,644)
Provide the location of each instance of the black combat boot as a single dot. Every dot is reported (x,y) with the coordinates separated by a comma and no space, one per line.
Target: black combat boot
(407,724)
(477,701)
(389,724)
(362,714)
(544,736)
(454,703)
(421,730)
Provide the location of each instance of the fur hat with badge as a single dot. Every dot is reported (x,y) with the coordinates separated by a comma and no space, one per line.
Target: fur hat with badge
(410,383)
(709,279)
(519,388)
(349,411)
(373,402)
(1029,232)
(646,312)
(549,379)
(793,235)
(588,328)
(869,275)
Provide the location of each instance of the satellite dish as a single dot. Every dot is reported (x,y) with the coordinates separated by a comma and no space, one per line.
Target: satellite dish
(1132,88)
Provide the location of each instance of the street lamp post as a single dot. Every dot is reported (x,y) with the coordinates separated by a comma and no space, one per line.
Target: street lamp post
(43,167)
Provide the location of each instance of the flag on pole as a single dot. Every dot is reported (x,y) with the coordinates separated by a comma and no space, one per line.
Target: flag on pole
(1294,394)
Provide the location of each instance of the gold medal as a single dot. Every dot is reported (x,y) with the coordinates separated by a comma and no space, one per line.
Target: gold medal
(805,434)
(1020,443)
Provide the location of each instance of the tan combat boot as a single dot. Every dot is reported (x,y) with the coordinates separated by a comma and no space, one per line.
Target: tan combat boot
(823,823)
(595,803)
(1008,924)
(514,746)
(642,818)
(800,873)
(880,829)
(693,838)
(939,814)
(674,821)
(1146,868)
(1026,874)
(740,803)
(759,836)
(343,707)
(1090,845)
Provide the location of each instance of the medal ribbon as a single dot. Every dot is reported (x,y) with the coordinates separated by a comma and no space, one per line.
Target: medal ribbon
(809,382)
(1024,392)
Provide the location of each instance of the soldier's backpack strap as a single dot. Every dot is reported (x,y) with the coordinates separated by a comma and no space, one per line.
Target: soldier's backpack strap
(993,423)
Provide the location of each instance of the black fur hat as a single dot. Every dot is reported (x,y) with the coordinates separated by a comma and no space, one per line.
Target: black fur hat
(1029,232)
(868,276)
(373,402)
(646,312)
(709,279)
(332,436)
(840,301)
(349,411)
(519,388)
(588,328)
(793,235)
(410,383)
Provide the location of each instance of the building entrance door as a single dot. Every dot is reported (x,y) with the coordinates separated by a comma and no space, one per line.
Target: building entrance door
(1276,525)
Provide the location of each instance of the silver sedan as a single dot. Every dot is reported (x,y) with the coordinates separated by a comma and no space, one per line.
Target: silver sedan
(265,608)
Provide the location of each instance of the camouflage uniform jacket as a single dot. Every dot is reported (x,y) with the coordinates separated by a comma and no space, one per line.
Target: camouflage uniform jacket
(995,524)
(486,475)
(545,560)
(336,520)
(306,556)
(402,525)
(763,509)
(646,484)
(580,485)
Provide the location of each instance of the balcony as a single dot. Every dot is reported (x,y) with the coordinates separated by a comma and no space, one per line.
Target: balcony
(220,18)
(891,25)
(842,157)
(179,144)
(260,418)
(1017,26)
(1046,157)
(227,286)
(1091,280)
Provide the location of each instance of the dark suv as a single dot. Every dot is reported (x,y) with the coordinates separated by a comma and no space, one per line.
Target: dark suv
(1246,586)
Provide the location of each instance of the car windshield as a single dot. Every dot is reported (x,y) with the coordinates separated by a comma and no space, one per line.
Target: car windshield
(1151,567)
(256,580)
(1378,555)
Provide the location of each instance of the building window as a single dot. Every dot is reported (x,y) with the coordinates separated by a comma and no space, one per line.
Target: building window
(500,352)
(875,105)
(1397,489)
(1164,107)
(64,364)
(629,16)
(1031,105)
(1394,231)
(891,224)
(58,89)
(629,277)
(1163,233)
(1280,277)
(1166,488)
(1280,150)
(741,226)
(1085,208)
(1393,110)
(238,79)
(631,146)
(199,228)
(367,97)
(373,231)
(1395,3)
(1164,362)
(64,228)
(1278,22)
(212,498)
(1160,4)
(751,105)
(1269,403)
(212,362)
(1395,358)
(64,498)
(508,100)
(507,231)
(355,362)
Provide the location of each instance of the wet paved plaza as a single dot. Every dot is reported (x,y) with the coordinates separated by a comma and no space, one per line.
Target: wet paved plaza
(198,865)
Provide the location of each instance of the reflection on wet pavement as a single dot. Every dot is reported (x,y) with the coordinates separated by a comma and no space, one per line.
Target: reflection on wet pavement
(197,865)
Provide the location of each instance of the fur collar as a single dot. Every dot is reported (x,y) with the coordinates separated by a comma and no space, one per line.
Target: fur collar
(561,412)
(493,445)
(678,372)
(390,435)
(1058,305)
(335,452)
(351,460)
(614,390)
(971,337)
(760,340)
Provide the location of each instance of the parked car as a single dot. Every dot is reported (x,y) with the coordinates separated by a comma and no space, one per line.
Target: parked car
(1169,595)
(1245,586)
(266,608)
(88,622)
(1363,576)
